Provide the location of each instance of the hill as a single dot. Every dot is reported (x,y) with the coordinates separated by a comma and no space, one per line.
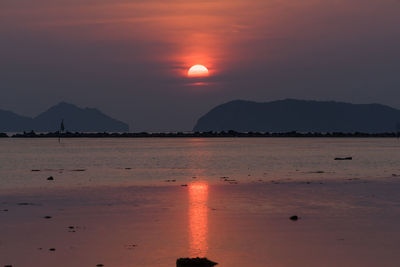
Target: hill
(299,115)
(12,122)
(75,120)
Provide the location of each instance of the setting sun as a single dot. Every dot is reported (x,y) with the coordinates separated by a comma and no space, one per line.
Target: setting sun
(198,71)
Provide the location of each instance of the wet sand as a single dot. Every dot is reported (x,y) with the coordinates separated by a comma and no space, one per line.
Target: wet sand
(342,223)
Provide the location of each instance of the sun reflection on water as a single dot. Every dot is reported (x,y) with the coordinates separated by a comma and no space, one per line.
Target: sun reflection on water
(198,221)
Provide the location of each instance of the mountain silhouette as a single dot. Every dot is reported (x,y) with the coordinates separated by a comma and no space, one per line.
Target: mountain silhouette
(299,115)
(75,120)
(12,122)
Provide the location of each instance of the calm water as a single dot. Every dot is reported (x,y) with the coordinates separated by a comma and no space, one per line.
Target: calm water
(152,161)
(115,195)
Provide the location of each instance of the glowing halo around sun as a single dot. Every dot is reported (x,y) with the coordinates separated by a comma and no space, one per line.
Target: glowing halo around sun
(197,71)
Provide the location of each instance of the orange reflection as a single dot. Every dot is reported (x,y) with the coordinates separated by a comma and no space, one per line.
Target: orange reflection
(198,222)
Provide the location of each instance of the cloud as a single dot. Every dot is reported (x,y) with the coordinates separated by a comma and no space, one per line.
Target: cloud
(130,57)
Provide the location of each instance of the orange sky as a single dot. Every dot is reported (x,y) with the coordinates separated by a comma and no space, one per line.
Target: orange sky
(137,53)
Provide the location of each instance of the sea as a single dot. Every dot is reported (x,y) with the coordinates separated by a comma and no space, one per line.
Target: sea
(161,161)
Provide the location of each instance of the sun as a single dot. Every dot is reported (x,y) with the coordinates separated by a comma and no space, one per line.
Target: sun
(197,71)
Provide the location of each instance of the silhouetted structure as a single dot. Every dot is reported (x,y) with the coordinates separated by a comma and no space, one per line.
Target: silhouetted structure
(62,128)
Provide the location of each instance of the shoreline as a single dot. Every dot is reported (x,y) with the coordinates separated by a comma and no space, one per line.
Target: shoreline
(228,134)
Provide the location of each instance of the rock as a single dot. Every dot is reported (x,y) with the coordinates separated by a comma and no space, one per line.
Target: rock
(294,218)
(52,249)
(47,217)
(35,170)
(100,265)
(51,178)
(345,158)
(184,185)
(132,246)
(25,204)
(194,262)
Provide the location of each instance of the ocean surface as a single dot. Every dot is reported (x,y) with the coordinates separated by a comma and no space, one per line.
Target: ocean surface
(154,161)
(147,202)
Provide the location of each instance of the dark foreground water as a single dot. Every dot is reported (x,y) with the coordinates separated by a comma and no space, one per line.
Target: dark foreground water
(147,202)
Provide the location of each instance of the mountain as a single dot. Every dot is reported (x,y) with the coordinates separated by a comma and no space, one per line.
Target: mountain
(9,121)
(75,120)
(299,115)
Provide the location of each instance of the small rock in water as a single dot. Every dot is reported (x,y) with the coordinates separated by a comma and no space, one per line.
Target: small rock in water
(25,204)
(132,246)
(184,185)
(52,249)
(7,265)
(47,217)
(100,265)
(345,158)
(35,170)
(294,218)
(51,178)
(194,262)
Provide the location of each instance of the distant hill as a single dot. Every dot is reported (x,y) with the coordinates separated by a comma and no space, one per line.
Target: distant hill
(11,122)
(299,115)
(75,120)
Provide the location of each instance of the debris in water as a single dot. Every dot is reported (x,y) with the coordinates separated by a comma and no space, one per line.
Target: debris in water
(194,262)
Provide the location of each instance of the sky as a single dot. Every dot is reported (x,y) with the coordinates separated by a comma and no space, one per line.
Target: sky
(130,58)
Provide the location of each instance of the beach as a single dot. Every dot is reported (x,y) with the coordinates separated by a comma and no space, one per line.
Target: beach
(147,203)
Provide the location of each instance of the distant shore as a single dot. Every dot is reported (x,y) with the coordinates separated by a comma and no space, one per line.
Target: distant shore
(193,135)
